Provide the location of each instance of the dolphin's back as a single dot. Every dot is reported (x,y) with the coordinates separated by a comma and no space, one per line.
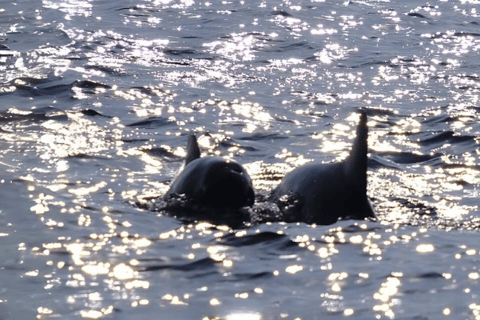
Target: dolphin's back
(214,182)
(322,193)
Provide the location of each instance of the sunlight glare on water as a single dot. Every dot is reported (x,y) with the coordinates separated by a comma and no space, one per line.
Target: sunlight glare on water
(98,102)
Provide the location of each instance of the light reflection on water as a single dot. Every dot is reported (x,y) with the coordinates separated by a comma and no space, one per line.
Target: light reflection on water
(59,142)
(275,88)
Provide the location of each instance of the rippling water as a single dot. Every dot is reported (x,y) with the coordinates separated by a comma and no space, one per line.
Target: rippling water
(97,101)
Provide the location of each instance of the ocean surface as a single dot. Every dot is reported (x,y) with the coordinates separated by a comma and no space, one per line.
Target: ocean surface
(97,99)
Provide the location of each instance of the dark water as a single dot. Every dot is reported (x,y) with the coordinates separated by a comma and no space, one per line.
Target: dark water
(97,101)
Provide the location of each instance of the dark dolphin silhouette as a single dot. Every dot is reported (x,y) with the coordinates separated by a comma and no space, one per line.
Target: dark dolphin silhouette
(212,182)
(322,193)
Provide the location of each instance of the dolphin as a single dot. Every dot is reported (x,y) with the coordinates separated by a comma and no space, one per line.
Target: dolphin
(322,193)
(212,182)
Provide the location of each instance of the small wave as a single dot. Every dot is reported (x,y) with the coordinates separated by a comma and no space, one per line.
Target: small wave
(152,123)
(262,136)
(417,15)
(152,91)
(113,71)
(199,265)
(165,154)
(430,275)
(433,120)
(281,13)
(36,87)
(35,115)
(444,35)
(83,156)
(403,158)
(263,237)
(93,113)
(431,139)
(236,277)
(180,52)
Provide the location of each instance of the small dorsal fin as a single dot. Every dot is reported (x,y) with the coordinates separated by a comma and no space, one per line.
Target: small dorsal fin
(193,152)
(356,163)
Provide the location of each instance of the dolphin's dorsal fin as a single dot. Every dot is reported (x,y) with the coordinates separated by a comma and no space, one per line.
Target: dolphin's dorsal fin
(193,152)
(356,163)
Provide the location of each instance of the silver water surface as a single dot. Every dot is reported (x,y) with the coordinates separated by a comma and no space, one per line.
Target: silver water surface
(98,98)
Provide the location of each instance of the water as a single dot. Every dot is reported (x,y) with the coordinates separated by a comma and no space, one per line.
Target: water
(97,101)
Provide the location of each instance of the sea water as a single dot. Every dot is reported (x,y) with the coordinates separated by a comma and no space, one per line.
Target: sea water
(97,99)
